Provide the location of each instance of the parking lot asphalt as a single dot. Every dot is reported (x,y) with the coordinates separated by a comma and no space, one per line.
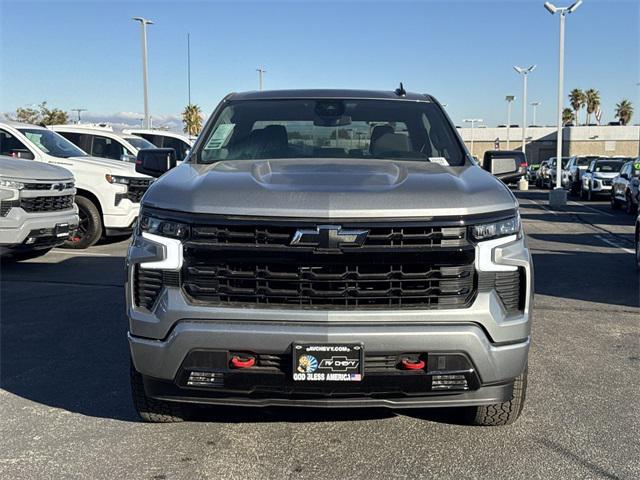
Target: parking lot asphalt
(65,409)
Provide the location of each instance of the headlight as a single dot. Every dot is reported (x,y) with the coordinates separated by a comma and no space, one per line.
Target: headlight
(163,227)
(13,184)
(117,179)
(503,228)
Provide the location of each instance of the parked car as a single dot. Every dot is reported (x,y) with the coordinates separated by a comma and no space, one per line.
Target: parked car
(575,168)
(543,172)
(281,266)
(506,156)
(532,172)
(625,188)
(37,211)
(102,141)
(165,139)
(549,178)
(108,191)
(598,177)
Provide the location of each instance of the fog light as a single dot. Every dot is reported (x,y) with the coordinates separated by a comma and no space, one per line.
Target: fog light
(30,241)
(449,382)
(205,379)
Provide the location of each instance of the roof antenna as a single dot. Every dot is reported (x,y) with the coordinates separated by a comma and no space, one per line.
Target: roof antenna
(400,91)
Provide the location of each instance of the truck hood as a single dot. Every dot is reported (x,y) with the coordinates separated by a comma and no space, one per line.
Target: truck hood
(329,188)
(30,170)
(605,174)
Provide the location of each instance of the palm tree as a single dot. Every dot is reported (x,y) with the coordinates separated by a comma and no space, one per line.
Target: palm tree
(624,111)
(592,99)
(192,119)
(567,116)
(578,100)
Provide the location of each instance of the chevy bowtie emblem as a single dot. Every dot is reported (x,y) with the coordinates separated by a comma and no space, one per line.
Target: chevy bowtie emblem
(329,237)
(58,186)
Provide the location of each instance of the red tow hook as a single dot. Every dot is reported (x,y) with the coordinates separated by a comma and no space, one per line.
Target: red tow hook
(409,364)
(243,362)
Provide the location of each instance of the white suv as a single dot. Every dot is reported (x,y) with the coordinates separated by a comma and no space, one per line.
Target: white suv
(102,141)
(108,191)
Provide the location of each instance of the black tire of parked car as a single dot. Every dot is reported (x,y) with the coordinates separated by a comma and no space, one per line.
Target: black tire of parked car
(589,194)
(637,243)
(615,205)
(574,189)
(501,413)
(152,410)
(28,255)
(629,206)
(90,225)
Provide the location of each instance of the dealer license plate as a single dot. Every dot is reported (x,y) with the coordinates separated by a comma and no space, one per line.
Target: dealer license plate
(320,362)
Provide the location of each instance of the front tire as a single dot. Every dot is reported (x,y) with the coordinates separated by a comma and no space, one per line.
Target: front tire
(614,202)
(504,413)
(89,227)
(589,194)
(629,207)
(152,410)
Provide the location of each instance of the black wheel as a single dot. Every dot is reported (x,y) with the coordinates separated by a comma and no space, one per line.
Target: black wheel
(29,254)
(582,194)
(504,413)
(152,410)
(89,227)
(589,194)
(637,242)
(615,205)
(629,206)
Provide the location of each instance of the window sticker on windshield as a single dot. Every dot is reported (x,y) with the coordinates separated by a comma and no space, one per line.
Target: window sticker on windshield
(439,161)
(220,136)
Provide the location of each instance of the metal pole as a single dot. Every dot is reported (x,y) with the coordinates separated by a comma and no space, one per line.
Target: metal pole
(145,74)
(189,66)
(260,71)
(472,124)
(508,123)
(535,109)
(560,98)
(524,112)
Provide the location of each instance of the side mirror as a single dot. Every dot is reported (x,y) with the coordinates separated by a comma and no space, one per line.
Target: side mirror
(502,163)
(155,161)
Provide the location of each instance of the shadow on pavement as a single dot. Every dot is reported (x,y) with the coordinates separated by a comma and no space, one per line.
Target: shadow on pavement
(589,276)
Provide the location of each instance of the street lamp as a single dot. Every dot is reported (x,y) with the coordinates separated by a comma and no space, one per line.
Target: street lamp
(535,108)
(558,197)
(145,80)
(525,74)
(472,121)
(509,99)
(261,71)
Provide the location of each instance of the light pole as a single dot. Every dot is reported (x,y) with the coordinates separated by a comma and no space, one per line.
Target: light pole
(525,74)
(535,106)
(509,99)
(473,122)
(558,197)
(261,71)
(78,111)
(145,80)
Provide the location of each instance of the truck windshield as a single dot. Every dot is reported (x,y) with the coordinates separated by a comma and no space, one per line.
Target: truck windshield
(52,143)
(608,166)
(328,128)
(139,142)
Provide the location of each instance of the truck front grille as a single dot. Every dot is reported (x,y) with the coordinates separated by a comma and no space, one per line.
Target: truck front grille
(137,188)
(320,282)
(46,204)
(253,263)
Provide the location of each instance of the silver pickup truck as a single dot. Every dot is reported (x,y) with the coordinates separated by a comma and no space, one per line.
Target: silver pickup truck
(37,211)
(329,248)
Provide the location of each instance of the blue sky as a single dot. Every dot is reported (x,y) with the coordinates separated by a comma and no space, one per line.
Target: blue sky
(87,54)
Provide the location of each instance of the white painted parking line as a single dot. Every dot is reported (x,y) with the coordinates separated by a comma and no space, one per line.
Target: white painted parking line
(86,254)
(614,244)
(597,210)
(541,205)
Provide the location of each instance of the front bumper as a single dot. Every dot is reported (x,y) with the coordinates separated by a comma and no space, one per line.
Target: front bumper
(495,342)
(601,186)
(19,225)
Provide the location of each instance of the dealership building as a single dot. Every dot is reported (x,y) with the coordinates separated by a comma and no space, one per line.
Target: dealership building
(541,141)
